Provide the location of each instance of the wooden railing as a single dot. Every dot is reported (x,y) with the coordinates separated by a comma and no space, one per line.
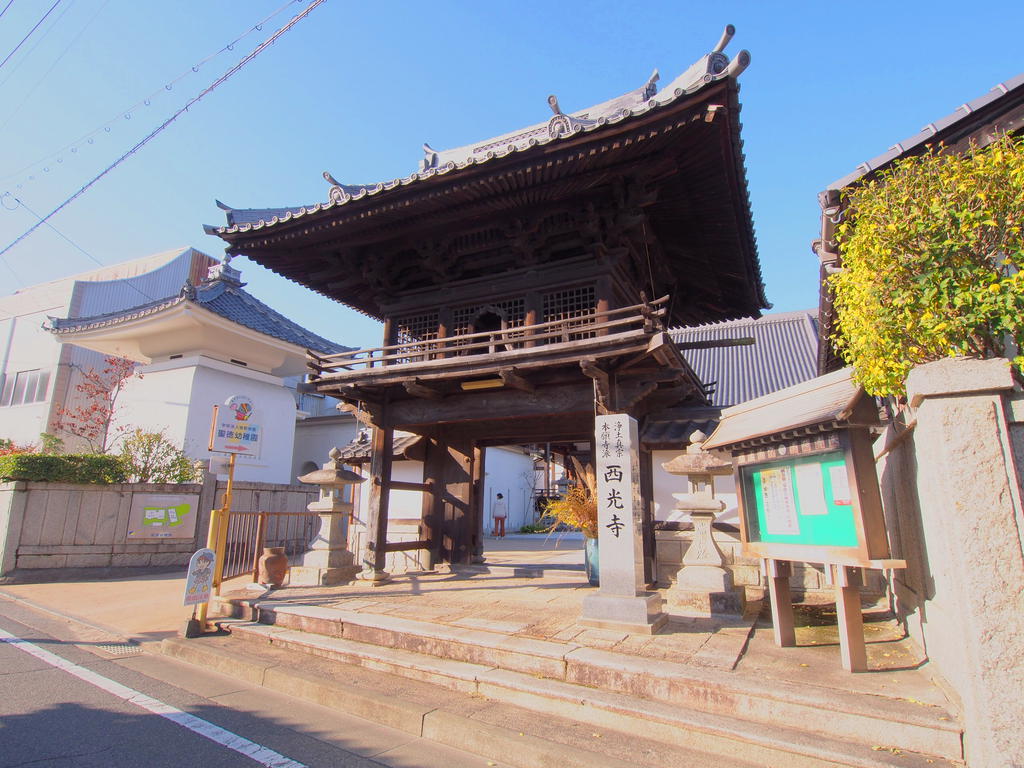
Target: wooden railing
(647,316)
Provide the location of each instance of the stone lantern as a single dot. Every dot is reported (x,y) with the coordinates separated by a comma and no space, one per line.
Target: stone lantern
(329,561)
(703,585)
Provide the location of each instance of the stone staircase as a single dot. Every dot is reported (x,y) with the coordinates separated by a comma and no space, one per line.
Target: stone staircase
(658,707)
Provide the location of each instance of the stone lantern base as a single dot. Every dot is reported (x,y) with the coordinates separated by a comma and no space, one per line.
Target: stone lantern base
(704,585)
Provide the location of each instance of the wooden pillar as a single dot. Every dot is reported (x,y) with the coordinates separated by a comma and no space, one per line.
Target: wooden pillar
(430,525)
(458,517)
(534,311)
(849,618)
(647,497)
(603,296)
(476,504)
(777,575)
(381,455)
(389,334)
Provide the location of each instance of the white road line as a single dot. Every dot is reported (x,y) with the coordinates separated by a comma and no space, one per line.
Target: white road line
(250,749)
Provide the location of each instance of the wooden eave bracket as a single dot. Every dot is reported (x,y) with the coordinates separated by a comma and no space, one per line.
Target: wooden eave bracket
(602,381)
(514,379)
(417,388)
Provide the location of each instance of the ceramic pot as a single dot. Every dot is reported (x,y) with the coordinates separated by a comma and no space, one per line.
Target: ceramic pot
(591,561)
(273,566)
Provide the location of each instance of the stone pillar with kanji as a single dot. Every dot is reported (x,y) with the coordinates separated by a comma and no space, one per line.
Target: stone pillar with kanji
(622,603)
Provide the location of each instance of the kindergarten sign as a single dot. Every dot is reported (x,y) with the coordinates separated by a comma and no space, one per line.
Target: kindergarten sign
(163,516)
(234,428)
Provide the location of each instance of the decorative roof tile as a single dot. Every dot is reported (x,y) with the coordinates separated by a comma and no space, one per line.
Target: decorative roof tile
(710,68)
(929,131)
(222,293)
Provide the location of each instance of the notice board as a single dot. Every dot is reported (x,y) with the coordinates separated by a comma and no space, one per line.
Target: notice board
(802,500)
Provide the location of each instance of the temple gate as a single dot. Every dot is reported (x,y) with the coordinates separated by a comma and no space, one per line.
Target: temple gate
(526,283)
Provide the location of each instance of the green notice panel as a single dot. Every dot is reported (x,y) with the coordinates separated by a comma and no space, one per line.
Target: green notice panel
(806,500)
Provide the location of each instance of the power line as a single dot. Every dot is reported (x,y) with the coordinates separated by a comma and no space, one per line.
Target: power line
(160,128)
(146,101)
(26,37)
(9,4)
(56,61)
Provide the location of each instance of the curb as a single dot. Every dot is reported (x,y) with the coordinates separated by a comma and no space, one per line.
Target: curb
(448,728)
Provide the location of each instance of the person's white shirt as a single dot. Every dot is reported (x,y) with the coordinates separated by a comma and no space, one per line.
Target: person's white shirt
(499,508)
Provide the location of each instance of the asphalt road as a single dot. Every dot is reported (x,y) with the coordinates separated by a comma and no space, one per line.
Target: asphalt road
(74,695)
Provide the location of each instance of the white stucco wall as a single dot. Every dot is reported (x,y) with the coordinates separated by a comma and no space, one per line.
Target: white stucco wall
(25,345)
(178,396)
(665,485)
(315,437)
(508,471)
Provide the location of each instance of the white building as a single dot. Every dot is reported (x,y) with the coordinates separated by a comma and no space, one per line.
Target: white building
(196,348)
(37,375)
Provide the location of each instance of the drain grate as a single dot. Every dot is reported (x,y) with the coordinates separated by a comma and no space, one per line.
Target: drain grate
(121,649)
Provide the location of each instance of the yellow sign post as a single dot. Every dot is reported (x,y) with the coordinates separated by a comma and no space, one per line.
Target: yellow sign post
(216,539)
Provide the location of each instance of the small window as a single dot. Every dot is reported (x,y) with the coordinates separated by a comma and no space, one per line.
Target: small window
(25,387)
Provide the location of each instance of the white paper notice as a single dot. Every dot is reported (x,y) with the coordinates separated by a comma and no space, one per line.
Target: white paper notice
(779,505)
(840,486)
(810,488)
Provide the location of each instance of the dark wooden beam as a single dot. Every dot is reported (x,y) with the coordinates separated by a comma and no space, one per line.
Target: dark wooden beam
(486,404)
(403,546)
(513,379)
(402,485)
(417,388)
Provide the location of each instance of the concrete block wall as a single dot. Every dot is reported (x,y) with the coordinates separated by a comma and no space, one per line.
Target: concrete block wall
(65,526)
(951,489)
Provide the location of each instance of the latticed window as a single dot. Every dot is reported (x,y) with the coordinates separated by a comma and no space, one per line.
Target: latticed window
(416,331)
(465,318)
(569,304)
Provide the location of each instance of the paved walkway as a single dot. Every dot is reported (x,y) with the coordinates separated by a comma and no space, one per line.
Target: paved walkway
(531,586)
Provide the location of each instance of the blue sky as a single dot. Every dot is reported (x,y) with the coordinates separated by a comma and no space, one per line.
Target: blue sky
(356,88)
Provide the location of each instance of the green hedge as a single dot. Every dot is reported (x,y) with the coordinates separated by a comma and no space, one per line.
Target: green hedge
(63,468)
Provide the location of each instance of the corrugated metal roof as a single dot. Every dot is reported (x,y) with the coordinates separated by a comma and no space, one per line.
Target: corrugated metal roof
(784,353)
(822,400)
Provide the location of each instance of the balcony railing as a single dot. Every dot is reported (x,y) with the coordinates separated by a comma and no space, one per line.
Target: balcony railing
(645,317)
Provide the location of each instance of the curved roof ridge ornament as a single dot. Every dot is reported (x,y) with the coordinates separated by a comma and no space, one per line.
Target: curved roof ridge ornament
(430,157)
(339,193)
(651,86)
(562,124)
(727,35)
(709,68)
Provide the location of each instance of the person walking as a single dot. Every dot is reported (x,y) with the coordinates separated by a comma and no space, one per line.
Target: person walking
(499,511)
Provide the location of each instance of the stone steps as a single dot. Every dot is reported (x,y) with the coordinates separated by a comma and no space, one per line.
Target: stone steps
(680,704)
(504,734)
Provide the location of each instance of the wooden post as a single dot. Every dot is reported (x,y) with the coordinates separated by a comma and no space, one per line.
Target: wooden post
(430,524)
(777,575)
(647,520)
(476,496)
(374,556)
(849,618)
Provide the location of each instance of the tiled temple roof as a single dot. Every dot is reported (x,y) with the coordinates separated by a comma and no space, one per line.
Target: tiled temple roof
(223,294)
(930,131)
(710,68)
